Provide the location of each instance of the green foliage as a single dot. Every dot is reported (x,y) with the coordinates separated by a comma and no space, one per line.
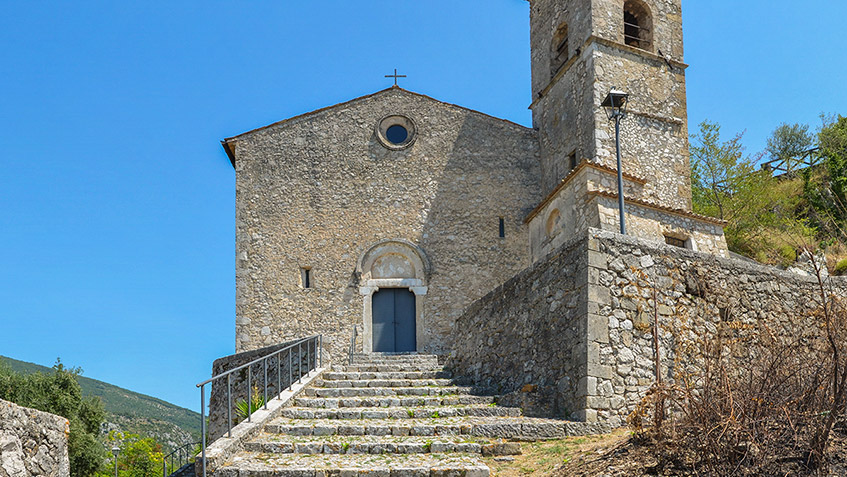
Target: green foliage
(138,457)
(759,210)
(841,267)
(58,392)
(788,143)
(132,412)
(788,254)
(241,408)
(825,188)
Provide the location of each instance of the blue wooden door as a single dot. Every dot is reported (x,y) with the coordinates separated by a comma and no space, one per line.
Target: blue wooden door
(394,320)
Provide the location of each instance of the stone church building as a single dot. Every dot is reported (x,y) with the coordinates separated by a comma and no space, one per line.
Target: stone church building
(395,212)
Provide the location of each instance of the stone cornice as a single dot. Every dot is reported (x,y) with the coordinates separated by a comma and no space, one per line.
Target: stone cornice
(582,165)
(661,208)
(609,43)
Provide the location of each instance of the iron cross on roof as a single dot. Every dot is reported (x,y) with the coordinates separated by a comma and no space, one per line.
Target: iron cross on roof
(395,76)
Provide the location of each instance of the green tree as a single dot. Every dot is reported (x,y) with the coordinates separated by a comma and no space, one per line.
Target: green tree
(139,456)
(59,393)
(826,187)
(788,143)
(726,184)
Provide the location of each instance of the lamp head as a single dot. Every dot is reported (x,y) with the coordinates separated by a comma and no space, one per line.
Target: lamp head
(116,450)
(615,103)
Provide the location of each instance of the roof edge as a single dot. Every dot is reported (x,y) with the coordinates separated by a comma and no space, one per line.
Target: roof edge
(367,96)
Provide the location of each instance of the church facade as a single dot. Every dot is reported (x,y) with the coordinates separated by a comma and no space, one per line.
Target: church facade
(394,212)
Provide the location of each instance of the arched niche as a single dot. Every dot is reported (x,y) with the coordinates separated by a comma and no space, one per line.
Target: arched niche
(392,264)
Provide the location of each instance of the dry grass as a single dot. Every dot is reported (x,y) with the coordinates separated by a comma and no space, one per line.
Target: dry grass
(544,457)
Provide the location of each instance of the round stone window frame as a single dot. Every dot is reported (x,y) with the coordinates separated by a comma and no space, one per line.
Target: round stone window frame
(396,120)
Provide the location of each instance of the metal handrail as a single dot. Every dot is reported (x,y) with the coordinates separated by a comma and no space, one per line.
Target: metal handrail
(355,334)
(183,455)
(313,361)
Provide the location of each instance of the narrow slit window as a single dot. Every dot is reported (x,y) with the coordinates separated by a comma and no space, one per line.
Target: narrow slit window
(306,277)
(572,161)
(502,227)
(559,54)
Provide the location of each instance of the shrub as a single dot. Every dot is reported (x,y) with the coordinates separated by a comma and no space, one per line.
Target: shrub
(752,399)
(241,408)
(841,267)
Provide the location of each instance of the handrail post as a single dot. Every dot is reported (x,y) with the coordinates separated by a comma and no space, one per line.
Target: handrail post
(203,424)
(290,369)
(308,357)
(265,366)
(249,393)
(300,362)
(320,350)
(278,375)
(228,405)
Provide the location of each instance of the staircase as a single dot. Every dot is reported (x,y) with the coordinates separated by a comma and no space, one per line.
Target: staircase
(388,415)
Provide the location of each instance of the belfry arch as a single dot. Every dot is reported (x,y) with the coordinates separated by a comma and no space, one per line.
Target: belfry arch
(398,266)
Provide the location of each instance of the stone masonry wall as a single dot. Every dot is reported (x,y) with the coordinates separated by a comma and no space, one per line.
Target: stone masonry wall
(696,293)
(320,190)
(531,330)
(578,324)
(32,443)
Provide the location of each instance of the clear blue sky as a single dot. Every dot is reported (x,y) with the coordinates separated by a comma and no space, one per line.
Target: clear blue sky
(117,219)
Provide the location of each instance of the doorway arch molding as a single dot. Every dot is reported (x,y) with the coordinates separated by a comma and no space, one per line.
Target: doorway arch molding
(393,263)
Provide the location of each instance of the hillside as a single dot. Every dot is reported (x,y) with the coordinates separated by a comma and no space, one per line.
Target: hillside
(132,412)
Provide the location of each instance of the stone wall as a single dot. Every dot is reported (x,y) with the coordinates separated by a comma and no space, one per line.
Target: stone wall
(578,324)
(32,443)
(696,293)
(321,190)
(530,331)
(277,373)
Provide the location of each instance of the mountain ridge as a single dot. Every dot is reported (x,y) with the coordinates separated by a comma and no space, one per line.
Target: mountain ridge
(130,411)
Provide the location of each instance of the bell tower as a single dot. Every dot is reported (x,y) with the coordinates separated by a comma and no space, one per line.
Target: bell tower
(581,49)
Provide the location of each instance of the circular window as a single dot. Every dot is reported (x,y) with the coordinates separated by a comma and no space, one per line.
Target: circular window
(396,132)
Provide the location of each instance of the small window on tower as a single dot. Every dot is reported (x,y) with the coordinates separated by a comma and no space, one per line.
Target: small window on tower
(502,227)
(306,277)
(559,54)
(572,161)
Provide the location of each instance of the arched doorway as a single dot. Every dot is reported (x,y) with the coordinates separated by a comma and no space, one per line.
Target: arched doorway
(394,278)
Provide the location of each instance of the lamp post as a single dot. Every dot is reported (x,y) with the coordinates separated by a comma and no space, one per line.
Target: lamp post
(615,106)
(116,450)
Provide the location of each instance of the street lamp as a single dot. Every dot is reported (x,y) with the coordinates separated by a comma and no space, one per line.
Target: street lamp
(116,450)
(615,105)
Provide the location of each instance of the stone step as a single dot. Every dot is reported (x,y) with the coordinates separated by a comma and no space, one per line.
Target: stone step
(381,383)
(401,391)
(274,444)
(399,413)
(394,401)
(488,427)
(398,362)
(358,376)
(385,368)
(252,464)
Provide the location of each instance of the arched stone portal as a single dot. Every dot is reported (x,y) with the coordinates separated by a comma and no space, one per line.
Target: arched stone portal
(396,264)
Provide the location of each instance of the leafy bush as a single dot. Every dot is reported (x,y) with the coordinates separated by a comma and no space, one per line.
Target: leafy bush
(139,456)
(59,393)
(241,408)
(788,254)
(841,267)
